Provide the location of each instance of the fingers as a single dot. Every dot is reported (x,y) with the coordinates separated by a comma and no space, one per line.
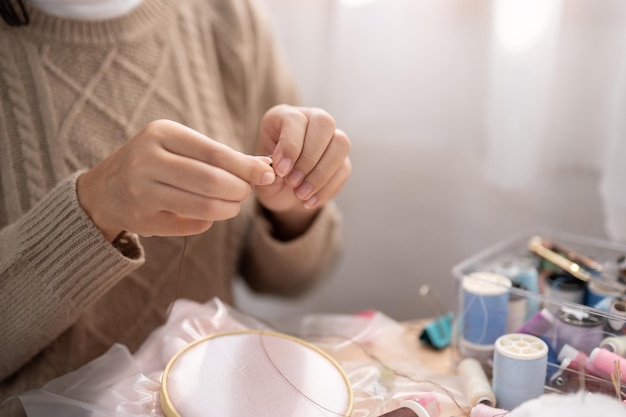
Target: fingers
(291,129)
(192,206)
(317,142)
(330,188)
(310,154)
(329,163)
(186,142)
(169,211)
(169,180)
(202,179)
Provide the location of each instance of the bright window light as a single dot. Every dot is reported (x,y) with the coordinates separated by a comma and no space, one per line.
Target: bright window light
(521,23)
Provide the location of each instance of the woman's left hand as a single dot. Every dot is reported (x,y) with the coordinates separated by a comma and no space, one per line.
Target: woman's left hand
(310,158)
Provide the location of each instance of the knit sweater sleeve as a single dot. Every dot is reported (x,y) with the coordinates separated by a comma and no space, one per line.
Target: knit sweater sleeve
(54,262)
(292,267)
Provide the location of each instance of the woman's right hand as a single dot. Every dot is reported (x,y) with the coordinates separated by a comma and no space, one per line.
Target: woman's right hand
(169,180)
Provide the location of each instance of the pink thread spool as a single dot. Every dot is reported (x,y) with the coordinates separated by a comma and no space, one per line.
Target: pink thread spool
(604,361)
(427,401)
(578,361)
(574,360)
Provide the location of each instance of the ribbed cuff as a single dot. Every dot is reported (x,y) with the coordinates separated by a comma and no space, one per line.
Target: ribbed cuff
(66,248)
(54,264)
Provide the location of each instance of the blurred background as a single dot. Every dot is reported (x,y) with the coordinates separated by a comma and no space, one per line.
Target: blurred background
(470,121)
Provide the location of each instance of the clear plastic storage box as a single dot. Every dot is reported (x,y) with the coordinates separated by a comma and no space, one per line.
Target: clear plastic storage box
(562,289)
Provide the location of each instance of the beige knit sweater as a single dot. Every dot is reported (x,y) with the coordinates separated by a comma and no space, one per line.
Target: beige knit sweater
(70,93)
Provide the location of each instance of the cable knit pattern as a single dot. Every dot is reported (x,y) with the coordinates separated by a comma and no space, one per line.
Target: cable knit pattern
(23,117)
(70,93)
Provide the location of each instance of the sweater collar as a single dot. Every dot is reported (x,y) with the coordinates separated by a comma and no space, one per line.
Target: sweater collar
(86,9)
(128,26)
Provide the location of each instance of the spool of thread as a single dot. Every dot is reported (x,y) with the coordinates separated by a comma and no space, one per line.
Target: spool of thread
(425,403)
(485,307)
(596,292)
(528,278)
(519,369)
(565,287)
(482,410)
(517,312)
(539,324)
(524,274)
(618,309)
(579,328)
(420,405)
(604,361)
(615,344)
(577,359)
(576,367)
(478,386)
(604,304)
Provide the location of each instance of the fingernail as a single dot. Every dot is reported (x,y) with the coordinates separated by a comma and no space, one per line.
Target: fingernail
(283,167)
(295,178)
(304,190)
(268,178)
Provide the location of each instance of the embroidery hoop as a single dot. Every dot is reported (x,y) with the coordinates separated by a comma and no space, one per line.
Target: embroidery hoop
(238,361)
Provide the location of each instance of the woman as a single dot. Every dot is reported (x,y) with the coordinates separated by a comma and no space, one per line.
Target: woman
(125,126)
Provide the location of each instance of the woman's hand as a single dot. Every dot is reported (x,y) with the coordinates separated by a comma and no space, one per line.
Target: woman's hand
(169,180)
(310,157)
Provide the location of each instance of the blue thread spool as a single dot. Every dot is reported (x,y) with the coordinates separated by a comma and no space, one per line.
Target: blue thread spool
(519,369)
(596,293)
(529,279)
(485,307)
(523,273)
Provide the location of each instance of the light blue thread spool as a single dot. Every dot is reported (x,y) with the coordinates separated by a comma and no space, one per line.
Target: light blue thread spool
(519,369)
(528,278)
(485,307)
(523,272)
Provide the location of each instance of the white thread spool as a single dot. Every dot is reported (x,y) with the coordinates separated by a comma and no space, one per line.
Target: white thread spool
(519,369)
(478,387)
(616,344)
(517,313)
(618,308)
